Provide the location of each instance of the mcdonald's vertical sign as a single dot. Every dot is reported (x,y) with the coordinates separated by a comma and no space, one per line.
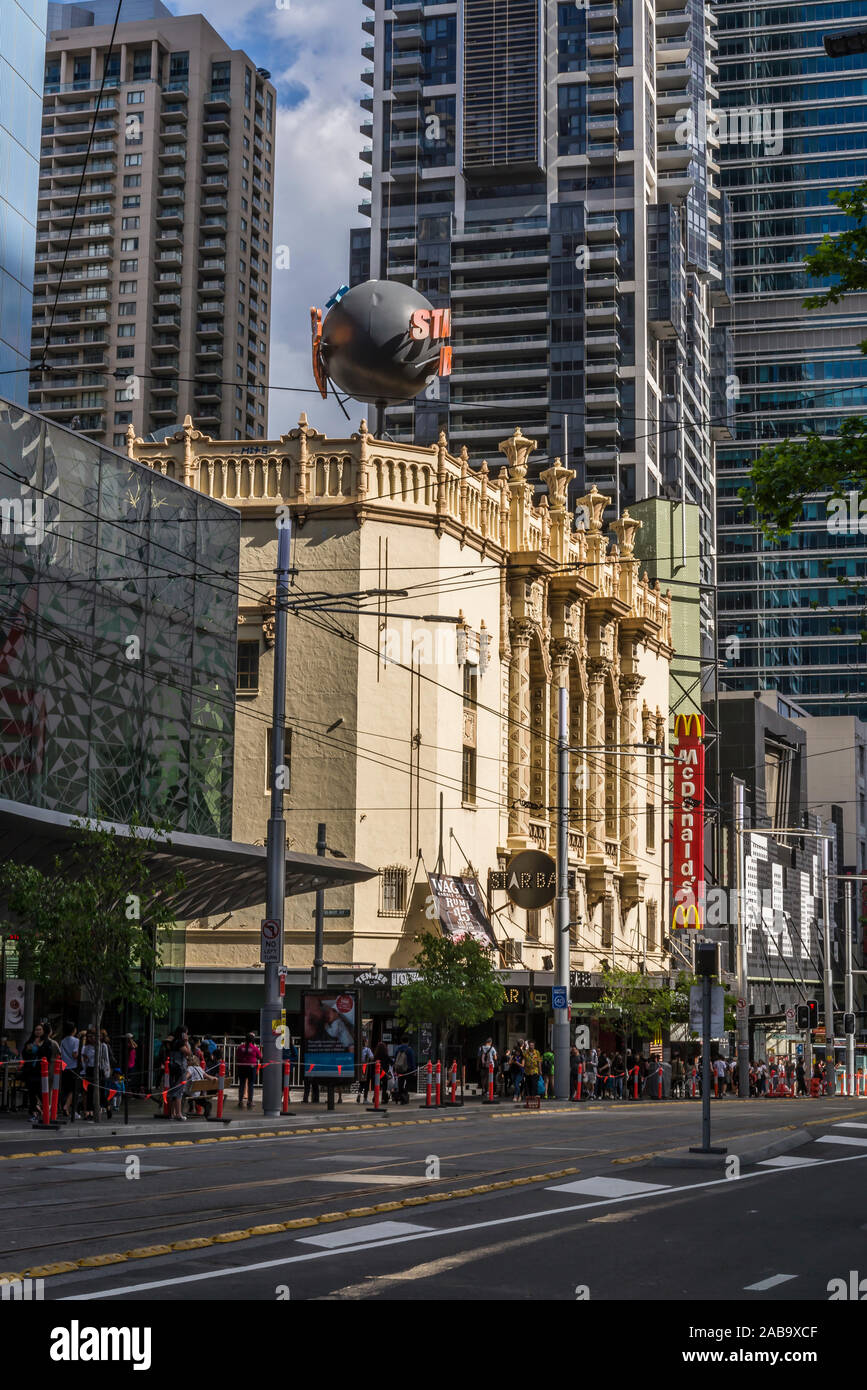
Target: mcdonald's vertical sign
(688,834)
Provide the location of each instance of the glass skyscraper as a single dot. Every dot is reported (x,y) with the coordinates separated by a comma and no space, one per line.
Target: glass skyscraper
(118,623)
(22,65)
(794,128)
(538,166)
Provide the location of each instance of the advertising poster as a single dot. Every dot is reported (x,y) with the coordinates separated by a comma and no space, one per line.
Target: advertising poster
(461,908)
(330,1034)
(13,1004)
(687,840)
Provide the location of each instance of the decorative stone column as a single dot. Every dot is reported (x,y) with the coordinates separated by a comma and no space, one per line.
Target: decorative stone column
(630,769)
(596,673)
(560,656)
(519,737)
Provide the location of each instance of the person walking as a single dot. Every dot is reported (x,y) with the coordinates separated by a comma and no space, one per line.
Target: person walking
(37,1047)
(604,1074)
(248,1057)
(89,1056)
(180,1060)
(677,1075)
(532,1070)
(548,1073)
(487,1059)
(720,1073)
(365,1081)
(517,1072)
(590,1073)
(801,1077)
(382,1056)
(574,1064)
(69,1050)
(404,1067)
(617,1075)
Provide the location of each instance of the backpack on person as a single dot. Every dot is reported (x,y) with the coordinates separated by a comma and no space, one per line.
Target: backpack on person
(401,1062)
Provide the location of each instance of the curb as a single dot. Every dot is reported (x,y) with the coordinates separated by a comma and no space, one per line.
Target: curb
(745,1152)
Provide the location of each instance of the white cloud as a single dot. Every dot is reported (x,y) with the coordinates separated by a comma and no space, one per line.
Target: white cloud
(313,50)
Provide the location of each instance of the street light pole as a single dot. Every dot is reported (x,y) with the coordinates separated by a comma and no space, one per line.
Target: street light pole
(319,974)
(849,1004)
(830,1071)
(275,901)
(743,1013)
(561,942)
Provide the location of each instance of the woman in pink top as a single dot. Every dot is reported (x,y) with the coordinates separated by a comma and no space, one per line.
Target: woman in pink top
(248,1058)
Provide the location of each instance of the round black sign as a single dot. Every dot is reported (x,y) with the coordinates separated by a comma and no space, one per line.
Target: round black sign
(531,879)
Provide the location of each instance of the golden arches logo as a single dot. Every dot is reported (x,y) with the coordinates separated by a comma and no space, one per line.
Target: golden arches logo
(688,726)
(686,915)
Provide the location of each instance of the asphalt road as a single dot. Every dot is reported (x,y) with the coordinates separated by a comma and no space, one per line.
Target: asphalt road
(617,1228)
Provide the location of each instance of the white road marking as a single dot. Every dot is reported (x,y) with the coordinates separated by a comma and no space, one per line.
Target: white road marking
(382,1179)
(284,1260)
(788,1161)
(112,1169)
(849,1139)
(609,1187)
(357,1235)
(771,1283)
(850,1124)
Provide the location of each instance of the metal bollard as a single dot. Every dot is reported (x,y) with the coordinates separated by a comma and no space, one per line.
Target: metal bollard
(55,1088)
(46,1101)
(221,1087)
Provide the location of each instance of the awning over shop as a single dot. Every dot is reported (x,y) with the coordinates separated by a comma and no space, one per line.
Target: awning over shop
(220,875)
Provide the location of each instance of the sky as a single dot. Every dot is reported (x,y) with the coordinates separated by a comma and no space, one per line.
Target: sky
(312,49)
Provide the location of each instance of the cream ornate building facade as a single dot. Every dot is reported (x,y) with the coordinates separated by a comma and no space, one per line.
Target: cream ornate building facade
(449,690)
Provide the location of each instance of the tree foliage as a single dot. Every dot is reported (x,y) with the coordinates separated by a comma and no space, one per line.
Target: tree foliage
(785,474)
(645,1009)
(457,986)
(96,922)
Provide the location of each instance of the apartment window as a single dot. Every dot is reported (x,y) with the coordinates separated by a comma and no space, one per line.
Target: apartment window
(128,287)
(132,200)
(81,70)
(132,180)
(127,266)
(574,918)
(245,163)
(650,825)
(123,353)
(534,923)
(123,417)
(132,161)
(248,82)
(652,927)
(238,415)
(126,330)
(129,243)
(221,76)
(134,98)
(141,65)
(392,891)
(120,441)
(179,66)
(512,954)
(468,776)
(130,224)
(247,676)
(471,685)
(127,310)
(287,758)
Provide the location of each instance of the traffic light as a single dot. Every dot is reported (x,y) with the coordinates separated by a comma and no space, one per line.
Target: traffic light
(706,958)
(845,41)
(848,1023)
(813,1011)
(803,1018)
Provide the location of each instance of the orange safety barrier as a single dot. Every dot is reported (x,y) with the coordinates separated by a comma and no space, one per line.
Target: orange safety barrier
(454,1072)
(46,1101)
(429,1085)
(221,1087)
(166,1089)
(439,1083)
(55,1088)
(286,1070)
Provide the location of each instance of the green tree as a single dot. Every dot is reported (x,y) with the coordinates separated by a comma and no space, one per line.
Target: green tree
(646,1009)
(784,474)
(97,921)
(457,985)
